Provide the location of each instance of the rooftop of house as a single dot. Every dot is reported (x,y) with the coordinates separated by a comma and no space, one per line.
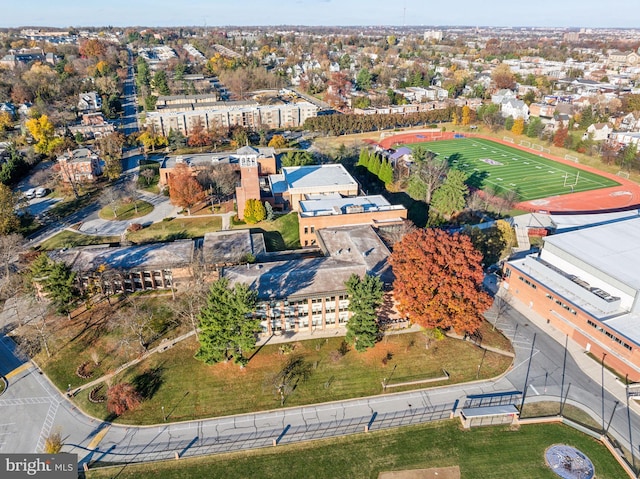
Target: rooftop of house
(157,256)
(78,155)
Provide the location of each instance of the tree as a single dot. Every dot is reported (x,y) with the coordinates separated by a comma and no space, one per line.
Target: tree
(111,151)
(450,197)
(278,142)
(53,443)
(226,323)
(57,280)
(386,173)
(535,127)
(466,115)
(365,297)
(439,280)
(9,221)
(561,136)
(121,398)
(268,211)
(43,132)
(10,247)
(111,197)
(627,156)
(294,371)
(503,77)
(160,84)
(199,136)
(489,242)
(429,175)
(364,158)
(254,211)
(518,126)
(297,158)
(184,189)
(363,79)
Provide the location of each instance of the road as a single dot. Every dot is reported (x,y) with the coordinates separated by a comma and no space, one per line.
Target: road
(43,408)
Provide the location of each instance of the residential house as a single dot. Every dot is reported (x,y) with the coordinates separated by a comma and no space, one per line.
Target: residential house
(93,125)
(79,166)
(515,109)
(599,131)
(89,102)
(625,137)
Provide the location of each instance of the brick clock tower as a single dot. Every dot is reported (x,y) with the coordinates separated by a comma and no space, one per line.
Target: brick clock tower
(249,188)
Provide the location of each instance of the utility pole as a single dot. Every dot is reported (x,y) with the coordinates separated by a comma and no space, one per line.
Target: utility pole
(526,379)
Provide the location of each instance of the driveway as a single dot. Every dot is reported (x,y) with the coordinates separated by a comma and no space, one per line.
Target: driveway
(162,208)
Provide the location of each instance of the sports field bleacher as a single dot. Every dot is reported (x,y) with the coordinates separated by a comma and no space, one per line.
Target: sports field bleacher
(503,168)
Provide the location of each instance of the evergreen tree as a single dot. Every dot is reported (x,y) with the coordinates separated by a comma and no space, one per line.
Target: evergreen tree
(364,158)
(386,173)
(374,165)
(268,211)
(450,197)
(227,326)
(365,296)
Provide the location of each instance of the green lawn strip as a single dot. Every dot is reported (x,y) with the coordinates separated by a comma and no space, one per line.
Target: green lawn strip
(530,175)
(71,239)
(280,234)
(126,210)
(484,452)
(189,389)
(177,228)
(546,408)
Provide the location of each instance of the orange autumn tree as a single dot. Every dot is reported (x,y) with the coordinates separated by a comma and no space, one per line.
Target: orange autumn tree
(184,189)
(439,280)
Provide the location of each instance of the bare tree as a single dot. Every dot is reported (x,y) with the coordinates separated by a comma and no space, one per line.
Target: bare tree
(110,197)
(34,334)
(10,247)
(148,175)
(135,321)
(131,192)
(392,234)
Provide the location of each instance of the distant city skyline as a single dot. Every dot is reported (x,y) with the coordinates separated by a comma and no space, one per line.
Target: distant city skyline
(165,13)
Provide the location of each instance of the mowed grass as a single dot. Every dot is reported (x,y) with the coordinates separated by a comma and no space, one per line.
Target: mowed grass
(281,234)
(177,228)
(502,168)
(190,389)
(126,210)
(484,452)
(71,239)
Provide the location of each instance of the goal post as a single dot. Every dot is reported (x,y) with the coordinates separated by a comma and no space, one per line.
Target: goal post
(571,158)
(525,143)
(623,174)
(508,139)
(537,147)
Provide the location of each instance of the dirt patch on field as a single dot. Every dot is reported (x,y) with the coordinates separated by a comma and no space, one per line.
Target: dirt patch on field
(433,473)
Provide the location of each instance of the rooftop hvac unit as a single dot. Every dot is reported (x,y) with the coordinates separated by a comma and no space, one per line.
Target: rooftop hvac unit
(354,209)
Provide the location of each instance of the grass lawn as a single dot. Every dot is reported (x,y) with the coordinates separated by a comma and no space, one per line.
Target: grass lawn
(484,452)
(503,168)
(189,389)
(71,239)
(177,228)
(280,234)
(126,210)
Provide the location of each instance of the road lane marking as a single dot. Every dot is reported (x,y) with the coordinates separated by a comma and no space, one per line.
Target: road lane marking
(534,390)
(98,437)
(18,370)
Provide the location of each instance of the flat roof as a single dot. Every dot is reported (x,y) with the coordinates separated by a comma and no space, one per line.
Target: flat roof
(612,248)
(486,411)
(336,202)
(350,250)
(317,176)
(127,258)
(226,246)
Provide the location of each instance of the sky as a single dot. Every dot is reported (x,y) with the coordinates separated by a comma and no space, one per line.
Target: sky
(164,13)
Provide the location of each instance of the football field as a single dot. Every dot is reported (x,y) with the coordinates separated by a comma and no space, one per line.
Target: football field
(502,168)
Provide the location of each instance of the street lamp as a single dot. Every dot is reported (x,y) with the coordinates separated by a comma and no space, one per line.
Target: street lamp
(602,389)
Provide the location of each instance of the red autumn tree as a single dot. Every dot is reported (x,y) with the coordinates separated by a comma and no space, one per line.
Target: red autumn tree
(199,136)
(439,280)
(561,136)
(184,189)
(121,398)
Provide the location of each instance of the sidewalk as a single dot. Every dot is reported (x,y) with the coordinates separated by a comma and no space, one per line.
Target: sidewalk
(590,367)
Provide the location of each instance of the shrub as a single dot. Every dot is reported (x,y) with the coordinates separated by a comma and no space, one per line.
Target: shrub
(135,227)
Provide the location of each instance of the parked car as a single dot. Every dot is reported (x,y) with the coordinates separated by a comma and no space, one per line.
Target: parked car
(30,193)
(41,192)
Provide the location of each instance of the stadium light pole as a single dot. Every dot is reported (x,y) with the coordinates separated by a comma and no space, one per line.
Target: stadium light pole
(602,389)
(526,379)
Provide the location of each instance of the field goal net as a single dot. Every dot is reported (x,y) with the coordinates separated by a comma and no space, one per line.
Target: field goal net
(571,158)
(537,147)
(623,174)
(525,143)
(507,139)
(546,150)
(570,181)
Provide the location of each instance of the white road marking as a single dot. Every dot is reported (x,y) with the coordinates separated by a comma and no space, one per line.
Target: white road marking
(534,390)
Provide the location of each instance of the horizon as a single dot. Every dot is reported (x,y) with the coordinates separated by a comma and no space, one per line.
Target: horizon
(321,13)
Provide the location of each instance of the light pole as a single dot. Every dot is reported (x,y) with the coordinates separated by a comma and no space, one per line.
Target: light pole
(602,389)
(164,418)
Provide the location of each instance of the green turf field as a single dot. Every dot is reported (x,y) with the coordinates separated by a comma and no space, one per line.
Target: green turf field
(502,168)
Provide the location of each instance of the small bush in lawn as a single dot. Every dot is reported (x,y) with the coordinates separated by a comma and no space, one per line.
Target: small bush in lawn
(135,227)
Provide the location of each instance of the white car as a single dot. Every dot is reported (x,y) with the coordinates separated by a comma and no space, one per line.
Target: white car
(41,192)
(30,193)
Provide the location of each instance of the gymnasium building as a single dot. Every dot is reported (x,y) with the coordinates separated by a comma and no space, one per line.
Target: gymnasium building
(586,284)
